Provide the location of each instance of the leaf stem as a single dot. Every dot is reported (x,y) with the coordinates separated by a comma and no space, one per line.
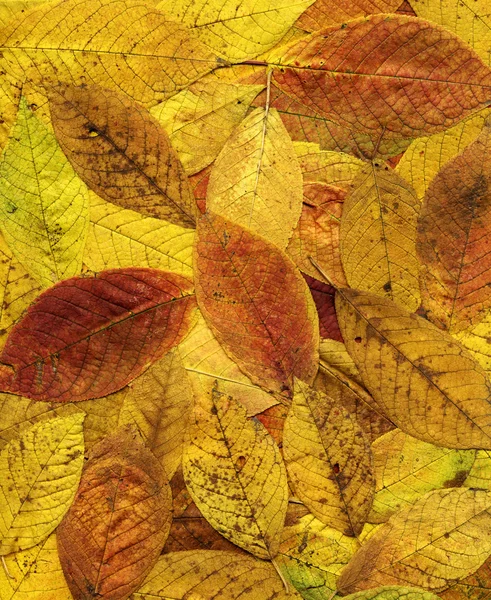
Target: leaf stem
(282,577)
(5,568)
(321,271)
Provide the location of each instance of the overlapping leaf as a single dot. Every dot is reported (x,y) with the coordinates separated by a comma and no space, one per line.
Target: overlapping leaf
(235,474)
(40,474)
(418,375)
(324,13)
(256,303)
(88,337)
(118,523)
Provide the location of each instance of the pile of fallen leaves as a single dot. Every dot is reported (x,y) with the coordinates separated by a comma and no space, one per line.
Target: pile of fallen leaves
(245,281)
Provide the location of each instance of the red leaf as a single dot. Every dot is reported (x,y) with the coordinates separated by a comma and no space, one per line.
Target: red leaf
(323,295)
(88,337)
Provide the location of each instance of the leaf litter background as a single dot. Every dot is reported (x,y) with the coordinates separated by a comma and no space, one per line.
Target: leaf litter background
(245,316)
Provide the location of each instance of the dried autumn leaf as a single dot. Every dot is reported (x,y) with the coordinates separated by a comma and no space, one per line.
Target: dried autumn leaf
(34,574)
(473,587)
(325,166)
(427,155)
(44,212)
(256,180)
(273,419)
(121,152)
(312,555)
(206,362)
(234,472)
(477,339)
(407,468)
(158,403)
(480,474)
(200,119)
(323,13)
(329,460)
(120,237)
(102,416)
(317,233)
(256,303)
(323,295)
(393,593)
(418,77)
(117,525)
(237,31)
(40,474)
(378,236)
(149,61)
(419,376)
(89,336)
(441,538)
(453,238)
(334,353)
(205,573)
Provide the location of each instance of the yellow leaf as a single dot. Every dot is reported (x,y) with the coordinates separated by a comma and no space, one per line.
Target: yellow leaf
(43,204)
(443,537)
(102,416)
(480,473)
(9,8)
(210,574)
(200,119)
(393,593)
(206,362)
(149,61)
(419,376)
(158,403)
(36,574)
(407,468)
(427,155)
(326,166)
(237,30)
(477,340)
(40,474)
(329,460)
(256,180)
(471,21)
(378,236)
(312,556)
(235,474)
(119,237)
(334,353)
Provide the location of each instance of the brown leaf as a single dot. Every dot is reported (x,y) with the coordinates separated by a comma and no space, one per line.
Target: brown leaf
(324,13)
(89,336)
(119,521)
(122,152)
(256,303)
(412,77)
(454,238)
(418,375)
(323,295)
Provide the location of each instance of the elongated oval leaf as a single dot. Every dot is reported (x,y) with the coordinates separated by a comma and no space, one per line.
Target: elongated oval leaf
(329,460)
(412,78)
(454,234)
(417,547)
(44,210)
(119,521)
(88,337)
(149,60)
(121,152)
(418,375)
(205,573)
(256,180)
(378,236)
(256,303)
(40,474)
(235,474)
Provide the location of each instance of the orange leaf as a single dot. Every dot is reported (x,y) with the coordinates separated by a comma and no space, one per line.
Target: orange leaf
(118,523)
(256,303)
(88,337)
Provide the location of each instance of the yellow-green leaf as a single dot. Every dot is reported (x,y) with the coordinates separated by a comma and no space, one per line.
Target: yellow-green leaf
(200,119)
(119,237)
(378,236)
(443,537)
(329,460)
(423,380)
(43,204)
(158,403)
(210,574)
(237,30)
(407,468)
(235,474)
(480,473)
(256,180)
(35,574)
(206,362)
(40,474)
